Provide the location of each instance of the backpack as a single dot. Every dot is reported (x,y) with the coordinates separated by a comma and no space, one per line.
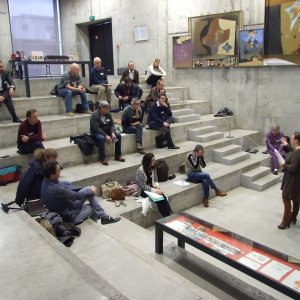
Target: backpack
(85,143)
(54,92)
(10,174)
(79,108)
(91,105)
(162,170)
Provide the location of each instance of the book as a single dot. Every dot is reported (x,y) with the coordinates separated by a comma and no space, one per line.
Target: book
(279,157)
(155,197)
(181,183)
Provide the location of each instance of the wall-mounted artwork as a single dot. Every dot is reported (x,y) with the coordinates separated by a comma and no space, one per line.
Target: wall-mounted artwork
(182,52)
(282,32)
(215,36)
(251,44)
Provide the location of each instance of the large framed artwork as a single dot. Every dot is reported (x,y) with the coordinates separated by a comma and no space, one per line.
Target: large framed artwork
(182,51)
(251,45)
(282,32)
(215,36)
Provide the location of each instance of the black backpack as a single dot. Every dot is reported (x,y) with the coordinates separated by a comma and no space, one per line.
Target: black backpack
(85,143)
(54,92)
(162,170)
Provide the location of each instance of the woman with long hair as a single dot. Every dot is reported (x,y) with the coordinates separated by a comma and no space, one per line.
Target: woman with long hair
(154,73)
(146,179)
(290,183)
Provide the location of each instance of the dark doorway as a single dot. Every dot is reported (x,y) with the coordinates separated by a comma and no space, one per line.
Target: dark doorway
(101,44)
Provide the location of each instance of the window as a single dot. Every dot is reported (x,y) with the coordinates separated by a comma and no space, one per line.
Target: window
(34,27)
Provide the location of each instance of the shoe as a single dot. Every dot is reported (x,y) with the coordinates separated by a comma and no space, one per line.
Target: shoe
(109,220)
(170,177)
(221,193)
(88,112)
(120,158)
(173,147)
(205,202)
(70,114)
(283,225)
(141,151)
(17,120)
(294,220)
(275,172)
(94,218)
(104,162)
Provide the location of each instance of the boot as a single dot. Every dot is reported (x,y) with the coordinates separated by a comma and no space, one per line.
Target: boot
(221,193)
(286,215)
(205,202)
(294,212)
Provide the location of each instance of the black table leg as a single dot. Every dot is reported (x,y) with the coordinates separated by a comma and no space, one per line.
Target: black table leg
(159,243)
(27,85)
(181,243)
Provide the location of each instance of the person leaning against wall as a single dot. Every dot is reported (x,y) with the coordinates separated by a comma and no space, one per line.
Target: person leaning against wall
(291,181)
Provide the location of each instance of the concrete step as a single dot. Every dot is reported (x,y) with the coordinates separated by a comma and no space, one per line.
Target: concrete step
(264,182)
(187,118)
(219,153)
(254,174)
(192,133)
(173,101)
(209,137)
(182,112)
(234,158)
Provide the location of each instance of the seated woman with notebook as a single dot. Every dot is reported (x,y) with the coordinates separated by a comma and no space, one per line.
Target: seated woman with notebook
(146,179)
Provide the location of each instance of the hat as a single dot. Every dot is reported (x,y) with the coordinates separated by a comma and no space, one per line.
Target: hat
(104,103)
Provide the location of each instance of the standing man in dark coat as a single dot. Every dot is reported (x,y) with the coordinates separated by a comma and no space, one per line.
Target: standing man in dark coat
(7,90)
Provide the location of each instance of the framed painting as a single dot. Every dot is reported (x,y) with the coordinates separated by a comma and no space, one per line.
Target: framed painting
(215,36)
(182,52)
(282,32)
(251,45)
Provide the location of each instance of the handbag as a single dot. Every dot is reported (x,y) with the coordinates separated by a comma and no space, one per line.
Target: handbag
(117,194)
(107,187)
(161,141)
(34,207)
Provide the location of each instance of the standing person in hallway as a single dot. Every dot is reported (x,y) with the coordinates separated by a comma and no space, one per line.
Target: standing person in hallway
(103,130)
(60,198)
(274,142)
(291,182)
(7,91)
(99,82)
(71,85)
(146,180)
(30,133)
(155,72)
(132,73)
(194,163)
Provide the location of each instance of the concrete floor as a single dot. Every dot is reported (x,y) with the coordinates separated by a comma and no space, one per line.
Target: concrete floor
(104,264)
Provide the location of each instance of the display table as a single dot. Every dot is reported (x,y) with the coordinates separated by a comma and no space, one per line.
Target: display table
(267,265)
(25,63)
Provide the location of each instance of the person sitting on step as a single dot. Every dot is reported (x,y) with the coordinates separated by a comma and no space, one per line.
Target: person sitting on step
(30,133)
(102,128)
(160,118)
(274,142)
(155,72)
(194,163)
(61,199)
(132,73)
(7,90)
(132,122)
(71,85)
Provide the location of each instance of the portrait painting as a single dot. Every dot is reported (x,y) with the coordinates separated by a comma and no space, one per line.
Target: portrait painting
(282,32)
(215,36)
(251,44)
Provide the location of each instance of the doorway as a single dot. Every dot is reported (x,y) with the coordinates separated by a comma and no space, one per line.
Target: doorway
(101,45)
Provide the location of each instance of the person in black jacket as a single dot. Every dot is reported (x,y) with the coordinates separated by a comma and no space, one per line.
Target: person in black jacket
(102,128)
(132,73)
(7,90)
(160,118)
(29,186)
(126,91)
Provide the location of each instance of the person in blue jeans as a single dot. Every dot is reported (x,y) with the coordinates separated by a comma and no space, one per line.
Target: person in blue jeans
(194,163)
(71,85)
(59,197)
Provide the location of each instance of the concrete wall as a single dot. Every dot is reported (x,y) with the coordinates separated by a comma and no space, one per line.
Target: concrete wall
(5,34)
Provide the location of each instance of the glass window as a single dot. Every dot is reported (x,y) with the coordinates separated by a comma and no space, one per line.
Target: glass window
(34,27)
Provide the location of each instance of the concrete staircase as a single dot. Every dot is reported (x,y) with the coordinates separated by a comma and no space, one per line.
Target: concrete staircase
(259,178)
(205,134)
(230,155)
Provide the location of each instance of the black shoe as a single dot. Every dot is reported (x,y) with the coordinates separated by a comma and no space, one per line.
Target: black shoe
(173,147)
(109,220)
(170,177)
(17,120)
(94,218)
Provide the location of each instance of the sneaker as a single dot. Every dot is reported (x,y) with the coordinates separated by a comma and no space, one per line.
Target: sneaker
(88,112)
(205,202)
(70,114)
(173,147)
(275,172)
(109,220)
(17,120)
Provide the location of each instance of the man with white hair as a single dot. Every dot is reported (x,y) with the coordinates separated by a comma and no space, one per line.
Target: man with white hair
(99,82)
(71,85)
